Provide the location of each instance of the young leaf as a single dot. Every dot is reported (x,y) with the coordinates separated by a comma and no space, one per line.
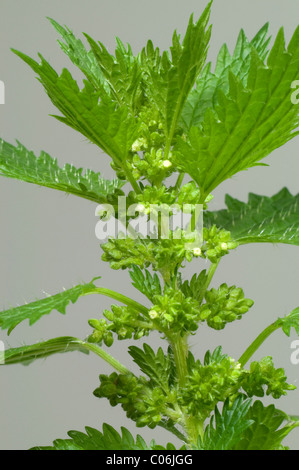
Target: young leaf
(193,288)
(107,125)
(215,357)
(123,73)
(289,321)
(33,311)
(19,163)
(265,432)
(147,284)
(229,426)
(262,219)
(170,80)
(29,353)
(249,121)
(158,367)
(208,84)
(83,59)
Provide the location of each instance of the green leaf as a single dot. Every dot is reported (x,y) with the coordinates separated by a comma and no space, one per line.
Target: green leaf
(248,123)
(157,366)
(83,59)
(209,84)
(216,356)
(19,163)
(147,284)
(193,288)
(265,432)
(107,125)
(262,219)
(93,439)
(29,353)
(122,73)
(289,321)
(171,79)
(33,311)
(229,426)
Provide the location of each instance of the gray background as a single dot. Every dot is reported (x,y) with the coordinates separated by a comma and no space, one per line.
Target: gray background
(48,241)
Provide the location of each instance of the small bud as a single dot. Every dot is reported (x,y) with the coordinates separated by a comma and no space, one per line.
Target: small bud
(95,337)
(167,164)
(211,253)
(153,314)
(94,323)
(224,246)
(196,251)
(122,332)
(108,339)
(139,144)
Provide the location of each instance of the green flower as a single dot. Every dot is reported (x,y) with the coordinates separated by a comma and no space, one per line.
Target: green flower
(224,305)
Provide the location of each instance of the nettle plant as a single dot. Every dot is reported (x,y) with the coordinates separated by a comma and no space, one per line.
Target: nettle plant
(161,115)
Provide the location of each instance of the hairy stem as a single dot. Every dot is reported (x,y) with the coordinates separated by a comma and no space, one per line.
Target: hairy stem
(257,342)
(210,275)
(131,179)
(179,347)
(107,357)
(180,351)
(173,430)
(121,298)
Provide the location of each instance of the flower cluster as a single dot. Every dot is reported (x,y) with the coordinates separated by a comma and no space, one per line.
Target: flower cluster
(126,322)
(173,311)
(263,377)
(163,254)
(210,383)
(142,403)
(217,243)
(224,305)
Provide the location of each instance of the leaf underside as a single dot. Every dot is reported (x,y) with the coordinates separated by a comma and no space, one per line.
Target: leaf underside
(262,219)
(29,353)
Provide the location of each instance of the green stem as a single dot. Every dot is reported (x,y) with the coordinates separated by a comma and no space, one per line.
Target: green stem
(180,351)
(107,357)
(210,275)
(257,342)
(179,181)
(179,346)
(121,298)
(131,179)
(173,430)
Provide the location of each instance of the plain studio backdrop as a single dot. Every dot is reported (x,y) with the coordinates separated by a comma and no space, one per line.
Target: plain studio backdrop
(48,239)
